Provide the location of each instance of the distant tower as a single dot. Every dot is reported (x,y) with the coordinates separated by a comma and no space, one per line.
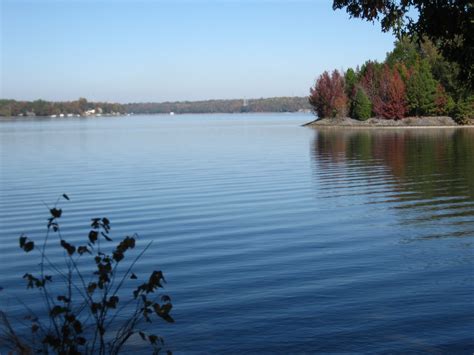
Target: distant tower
(245,103)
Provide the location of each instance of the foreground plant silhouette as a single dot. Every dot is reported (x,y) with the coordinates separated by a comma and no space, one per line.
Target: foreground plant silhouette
(87,310)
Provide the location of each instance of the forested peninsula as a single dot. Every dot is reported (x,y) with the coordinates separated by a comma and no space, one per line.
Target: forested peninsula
(83,107)
(415,85)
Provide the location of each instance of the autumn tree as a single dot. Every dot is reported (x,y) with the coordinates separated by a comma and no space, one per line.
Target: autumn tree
(371,73)
(328,97)
(390,102)
(447,23)
(443,103)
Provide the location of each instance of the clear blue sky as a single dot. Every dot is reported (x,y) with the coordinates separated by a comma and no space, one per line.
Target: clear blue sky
(134,51)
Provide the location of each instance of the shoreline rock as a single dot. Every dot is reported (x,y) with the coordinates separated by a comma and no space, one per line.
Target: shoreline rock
(409,122)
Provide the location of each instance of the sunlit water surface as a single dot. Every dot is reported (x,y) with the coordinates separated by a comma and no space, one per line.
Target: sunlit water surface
(273,237)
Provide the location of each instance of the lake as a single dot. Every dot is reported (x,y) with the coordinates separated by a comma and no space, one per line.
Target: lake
(274,238)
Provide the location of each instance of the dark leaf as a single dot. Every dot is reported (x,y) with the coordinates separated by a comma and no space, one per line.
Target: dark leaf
(166,308)
(112,303)
(23,241)
(133,276)
(63,298)
(155,280)
(29,246)
(51,340)
(167,318)
(95,222)
(93,236)
(77,326)
(152,338)
(57,310)
(91,287)
(96,307)
(55,212)
(66,197)
(117,256)
(165,298)
(25,244)
(69,248)
(83,249)
(34,328)
(163,311)
(142,335)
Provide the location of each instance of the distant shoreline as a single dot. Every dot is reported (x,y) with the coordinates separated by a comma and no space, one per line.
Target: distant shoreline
(409,122)
(82,107)
(176,115)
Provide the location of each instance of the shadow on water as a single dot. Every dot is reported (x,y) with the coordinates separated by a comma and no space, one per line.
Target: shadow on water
(426,175)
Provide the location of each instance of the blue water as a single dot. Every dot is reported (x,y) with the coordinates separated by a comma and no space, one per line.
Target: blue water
(274,238)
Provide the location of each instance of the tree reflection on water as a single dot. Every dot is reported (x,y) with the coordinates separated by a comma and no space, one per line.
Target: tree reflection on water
(427,172)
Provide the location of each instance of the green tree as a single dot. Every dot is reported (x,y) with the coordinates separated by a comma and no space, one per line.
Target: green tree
(5,108)
(421,90)
(41,108)
(464,110)
(350,79)
(361,105)
(405,51)
(83,105)
(447,23)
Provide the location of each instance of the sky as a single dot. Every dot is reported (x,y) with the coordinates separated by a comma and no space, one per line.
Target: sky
(155,51)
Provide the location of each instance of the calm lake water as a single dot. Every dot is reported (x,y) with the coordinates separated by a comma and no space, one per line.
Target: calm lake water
(274,238)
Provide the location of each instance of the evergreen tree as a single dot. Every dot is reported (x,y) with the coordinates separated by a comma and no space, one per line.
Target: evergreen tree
(405,52)
(350,79)
(421,90)
(464,110)
(361,106)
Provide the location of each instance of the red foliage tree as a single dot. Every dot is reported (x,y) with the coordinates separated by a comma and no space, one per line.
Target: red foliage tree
(370,79)
(390,101)
(328,96)
(444,104)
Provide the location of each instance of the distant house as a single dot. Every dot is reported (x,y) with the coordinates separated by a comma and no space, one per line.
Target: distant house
(90,112)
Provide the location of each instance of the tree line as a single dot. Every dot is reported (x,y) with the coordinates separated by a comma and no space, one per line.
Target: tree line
(414,80)
(275,104)
(10,108)
(48,108)
(448,23)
